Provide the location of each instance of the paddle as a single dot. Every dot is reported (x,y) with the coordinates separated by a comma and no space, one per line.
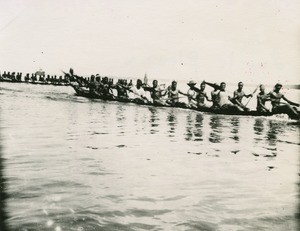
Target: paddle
(252,95)
(128,89)
(212,85)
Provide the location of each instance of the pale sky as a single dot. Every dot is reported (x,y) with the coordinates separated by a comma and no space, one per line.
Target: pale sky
(254,41)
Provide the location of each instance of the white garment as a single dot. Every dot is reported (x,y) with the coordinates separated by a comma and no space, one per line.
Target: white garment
(191,94)
(223,98)
(138,93)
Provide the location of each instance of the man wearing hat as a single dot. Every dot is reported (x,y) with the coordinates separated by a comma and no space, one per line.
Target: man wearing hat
(191,94)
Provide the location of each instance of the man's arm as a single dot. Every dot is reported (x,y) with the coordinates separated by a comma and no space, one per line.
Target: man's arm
(290,102)
(182,93)
(212,85)
(249,95)
(146,88)
(196,89)
(260,104)
(208,99)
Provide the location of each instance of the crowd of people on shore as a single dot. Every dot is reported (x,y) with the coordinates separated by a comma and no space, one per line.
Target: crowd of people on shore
(197,97)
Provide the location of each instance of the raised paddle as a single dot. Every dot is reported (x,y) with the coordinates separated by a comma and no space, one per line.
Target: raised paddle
(252,95)
(212,85)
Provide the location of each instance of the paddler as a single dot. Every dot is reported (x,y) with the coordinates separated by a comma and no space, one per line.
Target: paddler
(139,92)
(191,94)
(238,96)
(173,95)
(105,89)
(214,94)
(224,100)
(156,93)
(201,96)
(278,107)
(121,90)
(33,77)
(262,98)
(27,78)
(92,85)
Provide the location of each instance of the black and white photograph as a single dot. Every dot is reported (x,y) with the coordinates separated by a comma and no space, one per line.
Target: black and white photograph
(132,115)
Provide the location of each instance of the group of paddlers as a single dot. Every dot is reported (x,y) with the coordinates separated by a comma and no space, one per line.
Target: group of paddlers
(33,78)
(161,95)
(196,97)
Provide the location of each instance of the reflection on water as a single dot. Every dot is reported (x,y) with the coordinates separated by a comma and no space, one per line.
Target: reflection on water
(216,129)
(172,122)
(198,128)
(275,128)
(154,120)
(189,126)
(78,164)
(235,126)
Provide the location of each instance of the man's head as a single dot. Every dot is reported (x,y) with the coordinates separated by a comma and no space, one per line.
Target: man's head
(191,84)
(262,88)
(202,86)
(174,84)
(105,80)
(154,83)
(240,85)
(278,87)
(223,86)
(139,83)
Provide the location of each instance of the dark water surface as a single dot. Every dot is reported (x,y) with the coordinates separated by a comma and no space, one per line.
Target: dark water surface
(72,163)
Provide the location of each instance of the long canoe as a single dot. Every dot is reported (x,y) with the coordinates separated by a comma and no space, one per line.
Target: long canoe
(85,93)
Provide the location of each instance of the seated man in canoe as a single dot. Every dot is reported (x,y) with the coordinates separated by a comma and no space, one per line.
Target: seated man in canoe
(238,96)
(139,95)
(191,95)
(222,100)
(156,93)
(104,89)
(122,94)
(201,96)
(214,94)
(279,107)
(262,98)
(173,96)
(92,85)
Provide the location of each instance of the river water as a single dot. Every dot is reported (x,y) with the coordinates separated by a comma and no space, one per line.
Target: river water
(72,163)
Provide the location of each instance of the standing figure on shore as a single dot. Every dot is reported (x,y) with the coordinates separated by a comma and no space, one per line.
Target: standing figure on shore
(156,93)
(279,107)
(238,96)
(173,96)
(262,98)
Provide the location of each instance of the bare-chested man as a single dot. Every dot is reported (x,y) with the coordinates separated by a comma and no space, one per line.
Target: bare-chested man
(279,107)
